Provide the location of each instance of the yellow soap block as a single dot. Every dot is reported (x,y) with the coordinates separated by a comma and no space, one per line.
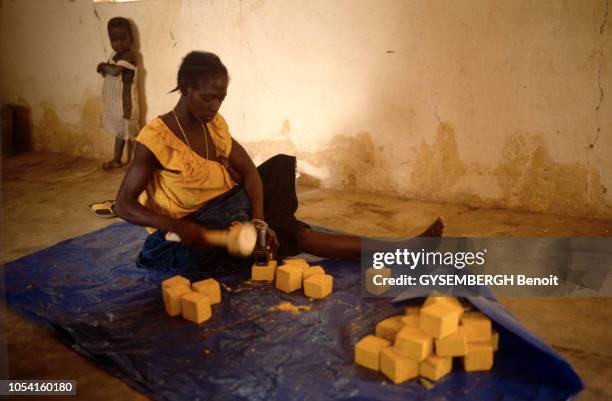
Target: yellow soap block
(289,278)
(495,340)
(435,367)
(264,273)
(371,278)
(209,287)
(297,262)
(434,299)
(174,281)
(389,327)
(196,307)
(172,298)
(413,343)
(412,310)
(477,327)
(411,320)
(454,344)
(439,319)
(479,356)
(318,286)
(309,271)
(396,367)
(367,351)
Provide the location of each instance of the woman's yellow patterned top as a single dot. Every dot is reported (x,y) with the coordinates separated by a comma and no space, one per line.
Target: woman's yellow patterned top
(187,180)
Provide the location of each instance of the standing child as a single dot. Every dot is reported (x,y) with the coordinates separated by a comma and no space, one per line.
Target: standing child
(119,93)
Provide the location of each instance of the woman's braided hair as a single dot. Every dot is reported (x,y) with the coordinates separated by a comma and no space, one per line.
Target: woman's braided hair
(197,65)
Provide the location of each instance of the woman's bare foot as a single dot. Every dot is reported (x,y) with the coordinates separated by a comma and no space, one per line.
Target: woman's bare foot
(434,230)
(111,165)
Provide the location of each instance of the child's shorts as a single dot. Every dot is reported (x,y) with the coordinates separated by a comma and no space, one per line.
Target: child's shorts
(120,127)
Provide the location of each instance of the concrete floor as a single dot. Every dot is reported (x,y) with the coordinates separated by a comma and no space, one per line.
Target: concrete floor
(45,197)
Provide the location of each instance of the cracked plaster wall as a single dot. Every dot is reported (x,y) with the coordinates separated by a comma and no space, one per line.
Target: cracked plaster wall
(486,103)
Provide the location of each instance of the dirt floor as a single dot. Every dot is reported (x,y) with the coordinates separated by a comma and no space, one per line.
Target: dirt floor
(45,198)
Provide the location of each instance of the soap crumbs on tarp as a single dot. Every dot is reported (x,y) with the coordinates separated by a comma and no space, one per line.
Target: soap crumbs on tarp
(240,289)
(346,303)
(289,307)
(426,383)
(226,287)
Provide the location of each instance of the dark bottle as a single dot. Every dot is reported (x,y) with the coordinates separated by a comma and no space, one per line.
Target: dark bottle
(261,251)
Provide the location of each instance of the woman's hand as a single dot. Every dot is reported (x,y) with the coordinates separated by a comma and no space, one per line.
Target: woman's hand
(192,234)
(272,243)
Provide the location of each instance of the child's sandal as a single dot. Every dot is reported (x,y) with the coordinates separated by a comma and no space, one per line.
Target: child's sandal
(104,209)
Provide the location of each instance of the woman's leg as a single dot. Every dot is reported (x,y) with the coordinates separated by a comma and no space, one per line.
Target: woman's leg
(160,254)
(329,245)
(281,203)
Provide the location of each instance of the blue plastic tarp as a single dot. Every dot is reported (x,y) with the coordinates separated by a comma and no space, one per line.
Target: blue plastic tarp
(90,292)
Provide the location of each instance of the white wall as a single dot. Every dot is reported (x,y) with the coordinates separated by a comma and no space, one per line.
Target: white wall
(489,103)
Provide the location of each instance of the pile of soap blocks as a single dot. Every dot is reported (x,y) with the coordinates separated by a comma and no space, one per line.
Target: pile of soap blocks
(192,301)
(295,274)
(424,341)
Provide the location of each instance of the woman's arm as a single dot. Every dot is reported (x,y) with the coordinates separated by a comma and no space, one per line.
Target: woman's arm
(240,160)
(128,208)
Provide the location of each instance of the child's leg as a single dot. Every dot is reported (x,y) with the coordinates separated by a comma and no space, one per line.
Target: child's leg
(116,161)
(129,151)
(329,245)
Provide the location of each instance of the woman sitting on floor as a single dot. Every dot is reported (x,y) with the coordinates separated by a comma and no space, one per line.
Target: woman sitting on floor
(189,175)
